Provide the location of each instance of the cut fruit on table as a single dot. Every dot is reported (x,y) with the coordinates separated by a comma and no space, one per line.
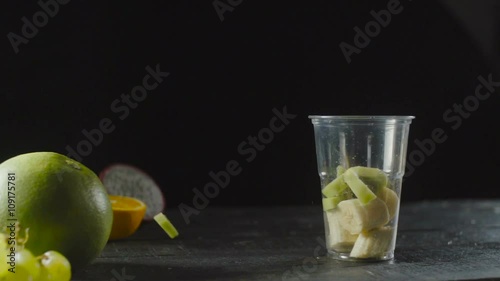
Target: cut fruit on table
(55,267)
(50,266)
(359,207)
(128,213)
(127,180)
(61,201)
(166,225)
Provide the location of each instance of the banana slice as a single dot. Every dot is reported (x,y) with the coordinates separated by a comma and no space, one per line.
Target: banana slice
(373,244)
(338,238)
(391,199)
(356,216)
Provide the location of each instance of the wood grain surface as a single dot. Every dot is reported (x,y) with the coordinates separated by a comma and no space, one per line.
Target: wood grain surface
(437,240)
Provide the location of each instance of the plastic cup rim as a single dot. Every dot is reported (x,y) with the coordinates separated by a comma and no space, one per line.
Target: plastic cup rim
(362,117)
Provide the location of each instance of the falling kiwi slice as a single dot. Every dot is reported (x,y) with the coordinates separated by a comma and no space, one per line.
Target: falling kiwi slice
(166,225)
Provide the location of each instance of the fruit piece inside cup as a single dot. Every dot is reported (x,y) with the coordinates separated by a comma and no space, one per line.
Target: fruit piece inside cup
(356,217)
(359,225)
(391,199)
(331,203)
(364,182)
(374,178)
(358,187)
(373,244)
(338,238)
(335,188)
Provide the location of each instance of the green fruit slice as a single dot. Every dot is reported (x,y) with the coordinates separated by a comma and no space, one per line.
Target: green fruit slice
(165,223)
(358,187)
(331,203)
(374,178)
(340,170)
(335,187)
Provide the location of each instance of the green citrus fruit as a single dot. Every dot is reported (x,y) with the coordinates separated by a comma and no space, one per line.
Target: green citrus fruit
(62,202)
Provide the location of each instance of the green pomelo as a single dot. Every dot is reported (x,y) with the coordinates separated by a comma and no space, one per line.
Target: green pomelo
(62,202)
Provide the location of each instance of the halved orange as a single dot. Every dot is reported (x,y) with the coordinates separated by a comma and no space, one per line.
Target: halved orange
(128,213)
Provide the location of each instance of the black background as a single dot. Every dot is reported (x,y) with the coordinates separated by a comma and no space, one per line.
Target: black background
(227,76)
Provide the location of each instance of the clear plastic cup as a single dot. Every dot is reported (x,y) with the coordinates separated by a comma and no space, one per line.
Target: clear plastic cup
(361,163)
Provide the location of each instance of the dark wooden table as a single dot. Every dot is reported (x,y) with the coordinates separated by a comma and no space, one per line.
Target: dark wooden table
(437,240)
